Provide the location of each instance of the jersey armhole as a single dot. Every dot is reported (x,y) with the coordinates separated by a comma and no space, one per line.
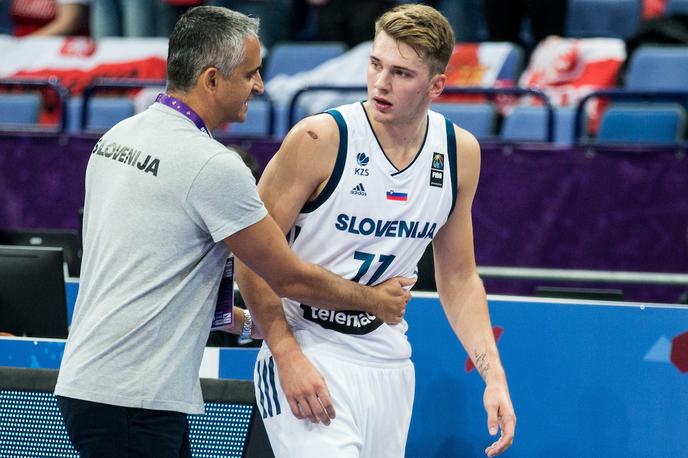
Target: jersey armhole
(333,181)
(453,168)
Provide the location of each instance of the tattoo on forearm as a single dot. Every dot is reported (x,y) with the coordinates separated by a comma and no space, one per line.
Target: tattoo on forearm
(481,363)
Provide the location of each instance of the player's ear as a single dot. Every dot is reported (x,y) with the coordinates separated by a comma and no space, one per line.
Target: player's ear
(437,84)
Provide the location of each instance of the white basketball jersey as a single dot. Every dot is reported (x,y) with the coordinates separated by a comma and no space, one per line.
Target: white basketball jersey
(372,222)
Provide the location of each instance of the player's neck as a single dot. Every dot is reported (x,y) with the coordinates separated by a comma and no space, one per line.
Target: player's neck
(401,140)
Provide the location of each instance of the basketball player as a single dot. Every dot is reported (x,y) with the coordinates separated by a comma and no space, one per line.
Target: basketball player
(362,190)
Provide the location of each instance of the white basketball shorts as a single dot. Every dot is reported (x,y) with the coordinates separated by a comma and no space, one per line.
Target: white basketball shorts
(373,404)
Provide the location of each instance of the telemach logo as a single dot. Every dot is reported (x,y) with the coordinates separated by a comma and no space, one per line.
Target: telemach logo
(345,322)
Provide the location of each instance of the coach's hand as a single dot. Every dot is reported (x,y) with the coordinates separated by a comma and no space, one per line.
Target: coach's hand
(500,415)
(305,388)
(394,296)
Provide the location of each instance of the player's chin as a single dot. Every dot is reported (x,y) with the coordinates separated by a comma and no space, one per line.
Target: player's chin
(384,118)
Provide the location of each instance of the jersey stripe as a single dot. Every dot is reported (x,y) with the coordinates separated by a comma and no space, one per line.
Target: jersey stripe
(278,409)
(261,384)
(451,152)
(338,166)
(266,387)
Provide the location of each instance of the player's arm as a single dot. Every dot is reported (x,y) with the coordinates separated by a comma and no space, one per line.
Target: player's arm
(302,384)
(463,296)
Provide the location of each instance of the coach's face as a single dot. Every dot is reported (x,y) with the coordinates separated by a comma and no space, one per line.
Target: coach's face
(235,91)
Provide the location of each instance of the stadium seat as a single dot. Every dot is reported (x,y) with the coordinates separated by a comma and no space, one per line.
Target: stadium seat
(654,68)
(676,7)
(105,112)
(74,105)
(655,123)
(291,58)
(281,118)
(527,123)
(513,64)
(19,110)
(477,118)
(603,18)
(564,119)
(257,120)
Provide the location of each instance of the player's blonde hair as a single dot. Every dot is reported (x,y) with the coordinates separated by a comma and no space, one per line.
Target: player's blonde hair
(424,29)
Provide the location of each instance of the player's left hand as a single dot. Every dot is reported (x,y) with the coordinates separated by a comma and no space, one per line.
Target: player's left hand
(500,415)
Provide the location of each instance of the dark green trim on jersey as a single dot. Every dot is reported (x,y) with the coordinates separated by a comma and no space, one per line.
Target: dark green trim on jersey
(422,145)
(453,169)
(332,183)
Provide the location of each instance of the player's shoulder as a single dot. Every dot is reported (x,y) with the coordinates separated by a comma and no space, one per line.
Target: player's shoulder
(467,146)
(465,139)
(467,155)
(317,134)
(319,126)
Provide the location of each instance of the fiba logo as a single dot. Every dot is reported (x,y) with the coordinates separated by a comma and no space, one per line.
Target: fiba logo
(362,159)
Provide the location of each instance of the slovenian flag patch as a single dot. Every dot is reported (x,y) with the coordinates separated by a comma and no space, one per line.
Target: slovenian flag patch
(398,196)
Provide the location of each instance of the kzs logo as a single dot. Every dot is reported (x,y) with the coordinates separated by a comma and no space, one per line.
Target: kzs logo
(362,159)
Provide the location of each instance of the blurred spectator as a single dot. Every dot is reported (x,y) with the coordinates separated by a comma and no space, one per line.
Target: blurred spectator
(169,11)
(275,17)
(303,21)
(123,18)
(466,17)
(5,22)
(49,17)
(653,8)
(137,18)
(350,21)
(661,30)
(505,19)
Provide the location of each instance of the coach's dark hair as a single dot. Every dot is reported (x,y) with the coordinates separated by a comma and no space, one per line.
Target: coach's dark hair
(204,37)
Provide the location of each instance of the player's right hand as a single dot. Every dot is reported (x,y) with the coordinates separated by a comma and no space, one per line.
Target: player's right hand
(305,389)
(394,296)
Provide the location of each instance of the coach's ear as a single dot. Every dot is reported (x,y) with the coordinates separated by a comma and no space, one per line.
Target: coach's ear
(208,80)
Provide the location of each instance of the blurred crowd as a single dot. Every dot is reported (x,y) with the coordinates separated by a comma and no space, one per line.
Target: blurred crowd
(349,21)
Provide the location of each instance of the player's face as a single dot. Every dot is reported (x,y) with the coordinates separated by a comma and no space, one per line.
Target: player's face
(242,84)
(400,86)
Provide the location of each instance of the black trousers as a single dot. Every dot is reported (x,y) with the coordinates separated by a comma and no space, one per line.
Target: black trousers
(106,431)
(504,17)
(350,21)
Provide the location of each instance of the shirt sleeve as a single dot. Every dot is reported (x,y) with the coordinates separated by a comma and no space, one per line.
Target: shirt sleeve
(223,198)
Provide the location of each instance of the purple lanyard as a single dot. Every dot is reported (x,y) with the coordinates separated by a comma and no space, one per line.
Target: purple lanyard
(184,109)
